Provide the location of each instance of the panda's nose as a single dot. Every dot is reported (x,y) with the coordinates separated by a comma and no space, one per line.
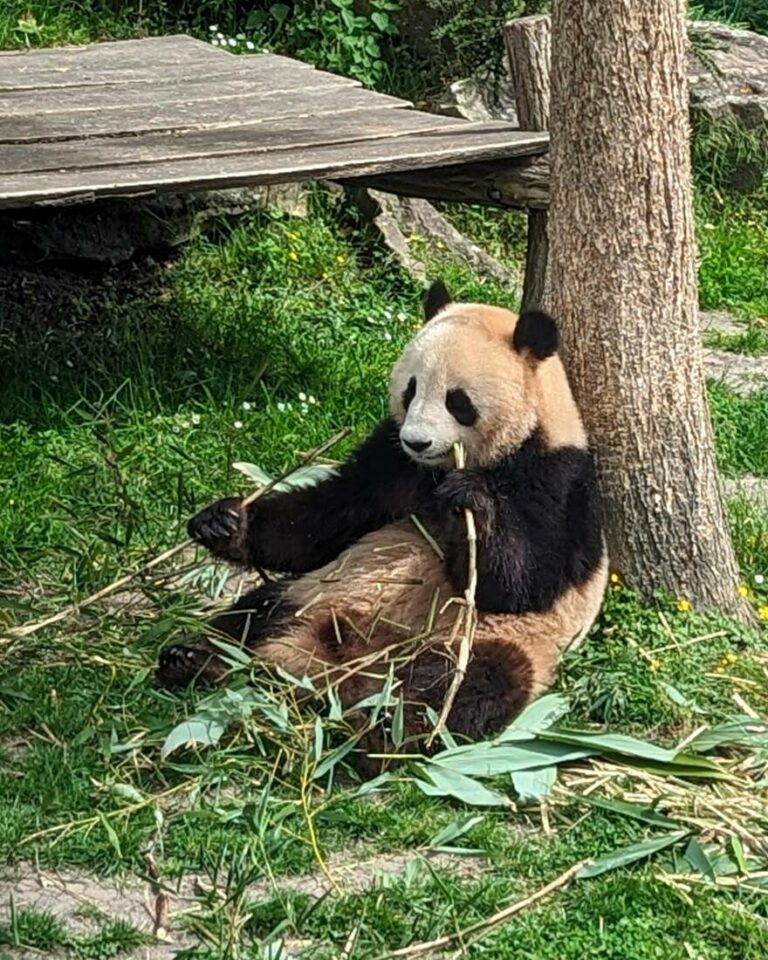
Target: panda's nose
(418,446)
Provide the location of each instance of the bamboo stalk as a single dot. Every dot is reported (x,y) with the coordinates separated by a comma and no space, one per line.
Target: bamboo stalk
(116,586)
(467,616)
(482,927)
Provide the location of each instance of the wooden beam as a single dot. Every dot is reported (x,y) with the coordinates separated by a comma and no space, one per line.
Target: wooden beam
(510,184)
(528,46)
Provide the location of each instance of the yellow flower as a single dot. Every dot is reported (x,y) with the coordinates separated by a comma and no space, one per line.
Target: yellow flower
(615,578)
(730,658)
(325,274)
(341,259)
(743,590)
(293,236)
(292,255)
(440,245)
(683,605)
(654,665)
(762,612)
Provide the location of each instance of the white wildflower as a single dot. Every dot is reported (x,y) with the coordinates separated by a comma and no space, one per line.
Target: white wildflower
(232,42)
(312,399)
(302,396)
(246,405)
(238,424)
(219,36)
(759,579)
(215,42)
(213,27)
(387,335)
(250,45)
(281,407)
(195,418)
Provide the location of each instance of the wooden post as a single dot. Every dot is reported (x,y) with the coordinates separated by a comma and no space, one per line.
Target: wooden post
(528,50)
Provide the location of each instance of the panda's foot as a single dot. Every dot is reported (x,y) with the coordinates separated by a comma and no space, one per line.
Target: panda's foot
(179,666)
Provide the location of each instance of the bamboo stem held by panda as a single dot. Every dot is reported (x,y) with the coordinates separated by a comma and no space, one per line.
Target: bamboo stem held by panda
(26,630)
(467,617)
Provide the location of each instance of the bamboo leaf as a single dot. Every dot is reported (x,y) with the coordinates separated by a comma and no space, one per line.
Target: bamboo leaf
(203,730)
(631,854)
(454,830)
(532,786)
(537,716)
(490,760)
(698,859)
(635,811)
(448,783)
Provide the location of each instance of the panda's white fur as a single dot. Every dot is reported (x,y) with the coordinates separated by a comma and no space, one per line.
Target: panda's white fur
(384,598)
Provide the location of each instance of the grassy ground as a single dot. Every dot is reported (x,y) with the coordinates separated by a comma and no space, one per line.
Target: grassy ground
(255,343)
(124,399)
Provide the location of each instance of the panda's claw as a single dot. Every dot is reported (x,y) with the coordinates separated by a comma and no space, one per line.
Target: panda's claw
(179,666)
(218,526)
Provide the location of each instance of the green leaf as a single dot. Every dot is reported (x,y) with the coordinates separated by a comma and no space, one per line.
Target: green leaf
(676,697)
(112,836)
(398,722)
(739,731)
(202,729)
(491,760)
(279,12)
(737,852)
(381,21)
(334,757)
(454,830)
(260,477)
(307,476)
(635,811)
(631,854)
(532,786)
(698,859)
(612,743)
(537,716)
(237,654)
(447,783)
(126,791)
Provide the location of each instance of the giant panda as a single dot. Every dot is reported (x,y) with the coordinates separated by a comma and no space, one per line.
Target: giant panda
(374,554)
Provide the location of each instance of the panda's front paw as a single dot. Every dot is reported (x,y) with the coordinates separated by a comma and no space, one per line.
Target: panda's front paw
(221,528)
(179,666)
(467,490)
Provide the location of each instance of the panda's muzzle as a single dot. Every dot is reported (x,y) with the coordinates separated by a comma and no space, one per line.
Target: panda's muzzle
(418,446)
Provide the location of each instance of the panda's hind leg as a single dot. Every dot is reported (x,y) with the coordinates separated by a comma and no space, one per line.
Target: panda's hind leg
(252,620)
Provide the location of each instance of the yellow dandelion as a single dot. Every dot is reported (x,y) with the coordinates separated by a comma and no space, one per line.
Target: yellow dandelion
(683,605)
(292,255)
(440,245)
(341,259)
(293,236)
(731,658)
(615,578)
(762,612)
(743,590)
(654,665)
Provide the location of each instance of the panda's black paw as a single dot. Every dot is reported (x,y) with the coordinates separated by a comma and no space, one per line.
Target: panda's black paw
(467,490)
(221,528)
(179,666)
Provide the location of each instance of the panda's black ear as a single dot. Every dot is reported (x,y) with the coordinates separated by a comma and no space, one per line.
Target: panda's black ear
(536,334)
(436,297)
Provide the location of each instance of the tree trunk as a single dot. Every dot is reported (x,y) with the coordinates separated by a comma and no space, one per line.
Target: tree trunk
(527,41)
(623,287)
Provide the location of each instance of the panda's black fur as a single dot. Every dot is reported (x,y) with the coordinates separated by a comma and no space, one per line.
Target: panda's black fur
(540,549)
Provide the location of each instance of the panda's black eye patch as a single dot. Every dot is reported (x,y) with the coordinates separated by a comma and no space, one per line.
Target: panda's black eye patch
(409,393)
(460,407)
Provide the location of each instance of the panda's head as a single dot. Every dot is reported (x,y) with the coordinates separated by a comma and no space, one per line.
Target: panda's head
(483,376)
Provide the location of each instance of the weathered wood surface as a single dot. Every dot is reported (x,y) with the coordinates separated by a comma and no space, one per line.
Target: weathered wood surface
(173,113)
(390,154)
(528,45)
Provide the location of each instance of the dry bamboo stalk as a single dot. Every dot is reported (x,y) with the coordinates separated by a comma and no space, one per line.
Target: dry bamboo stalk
(467,614)
(482,927)
(116,586)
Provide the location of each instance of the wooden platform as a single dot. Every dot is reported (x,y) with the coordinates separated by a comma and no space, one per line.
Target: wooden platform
(177,114)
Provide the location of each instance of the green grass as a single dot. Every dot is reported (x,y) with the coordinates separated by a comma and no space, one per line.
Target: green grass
(153,379)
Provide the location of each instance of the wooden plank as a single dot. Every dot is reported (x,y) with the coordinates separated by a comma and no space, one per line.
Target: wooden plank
(476,142)
(232,112)
(57,100)
(295,133)
(159,63)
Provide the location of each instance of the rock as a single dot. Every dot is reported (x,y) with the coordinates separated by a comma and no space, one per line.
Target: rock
(728,72)
(483,96)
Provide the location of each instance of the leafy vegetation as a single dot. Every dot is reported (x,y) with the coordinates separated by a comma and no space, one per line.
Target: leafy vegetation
(125,398)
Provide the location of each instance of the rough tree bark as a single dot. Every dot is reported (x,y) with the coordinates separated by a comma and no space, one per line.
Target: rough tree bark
(623,286)
(527,41)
